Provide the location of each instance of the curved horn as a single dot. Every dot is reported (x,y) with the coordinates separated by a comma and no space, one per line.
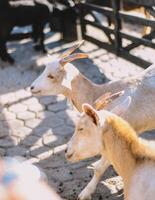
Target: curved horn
(105,99)
(72,57)
(71,50)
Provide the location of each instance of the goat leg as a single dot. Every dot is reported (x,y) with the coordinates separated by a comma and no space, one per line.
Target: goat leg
(99,168)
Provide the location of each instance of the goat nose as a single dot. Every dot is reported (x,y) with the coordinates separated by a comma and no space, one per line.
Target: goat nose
(32,87)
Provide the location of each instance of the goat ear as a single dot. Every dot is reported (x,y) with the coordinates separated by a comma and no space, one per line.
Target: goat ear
(90,111)
(72,57)
(105,99)
(121,108)
(71,50)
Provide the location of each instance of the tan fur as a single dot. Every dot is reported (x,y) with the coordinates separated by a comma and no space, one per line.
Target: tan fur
(125,150)
(139,148)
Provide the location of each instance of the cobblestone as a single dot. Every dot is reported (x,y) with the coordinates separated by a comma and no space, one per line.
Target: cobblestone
(16,151)
(57,106)
(18,108)
(26,115)
(36,107)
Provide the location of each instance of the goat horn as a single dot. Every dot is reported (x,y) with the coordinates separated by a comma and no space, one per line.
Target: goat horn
(105,99)
(71,50)
(72,57)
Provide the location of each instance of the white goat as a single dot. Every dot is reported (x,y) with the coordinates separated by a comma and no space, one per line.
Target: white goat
(113,138)
(61,77)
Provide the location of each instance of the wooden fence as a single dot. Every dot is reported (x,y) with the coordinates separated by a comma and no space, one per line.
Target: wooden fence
(116,35)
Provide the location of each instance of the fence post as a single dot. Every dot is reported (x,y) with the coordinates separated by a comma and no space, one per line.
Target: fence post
(82,15)
(117,25)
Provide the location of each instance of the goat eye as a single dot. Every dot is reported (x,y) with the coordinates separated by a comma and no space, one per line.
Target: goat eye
(50,76)
(80,129)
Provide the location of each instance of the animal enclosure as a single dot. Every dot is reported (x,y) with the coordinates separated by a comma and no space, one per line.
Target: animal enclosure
(115,34)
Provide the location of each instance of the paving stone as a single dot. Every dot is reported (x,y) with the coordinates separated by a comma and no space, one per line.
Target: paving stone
(41,131)
(52,122)
(8,142)
(30,101)
(32,140)
(22,94)
(7,116)
(21,132)
(63,130)
(16,151)
(36,107)
(41,152)
(16,108)
(7,98)
(32,123)
(60,148)
(69,115)
(4,132)
(25,115)
(45,114)
(2,152)
(61,174)
(52,140)
(13,123)
(48,100)
(57,106)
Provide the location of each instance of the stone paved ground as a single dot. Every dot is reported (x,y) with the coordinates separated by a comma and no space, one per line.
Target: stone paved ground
(38,128)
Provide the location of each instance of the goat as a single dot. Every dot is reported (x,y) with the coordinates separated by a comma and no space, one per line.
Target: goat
(62,77)
(22,13)
(112,137)
(65,79)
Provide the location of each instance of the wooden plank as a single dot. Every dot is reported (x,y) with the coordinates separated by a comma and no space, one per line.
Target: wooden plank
(142,2)
(19,36)
(117,22)
(104,10)
(103,45)
(107,31)
(134,45)
(99,26)
(135,19)
(140,41)
(134,59)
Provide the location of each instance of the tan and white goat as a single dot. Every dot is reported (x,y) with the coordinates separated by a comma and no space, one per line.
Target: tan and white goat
(114,139)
